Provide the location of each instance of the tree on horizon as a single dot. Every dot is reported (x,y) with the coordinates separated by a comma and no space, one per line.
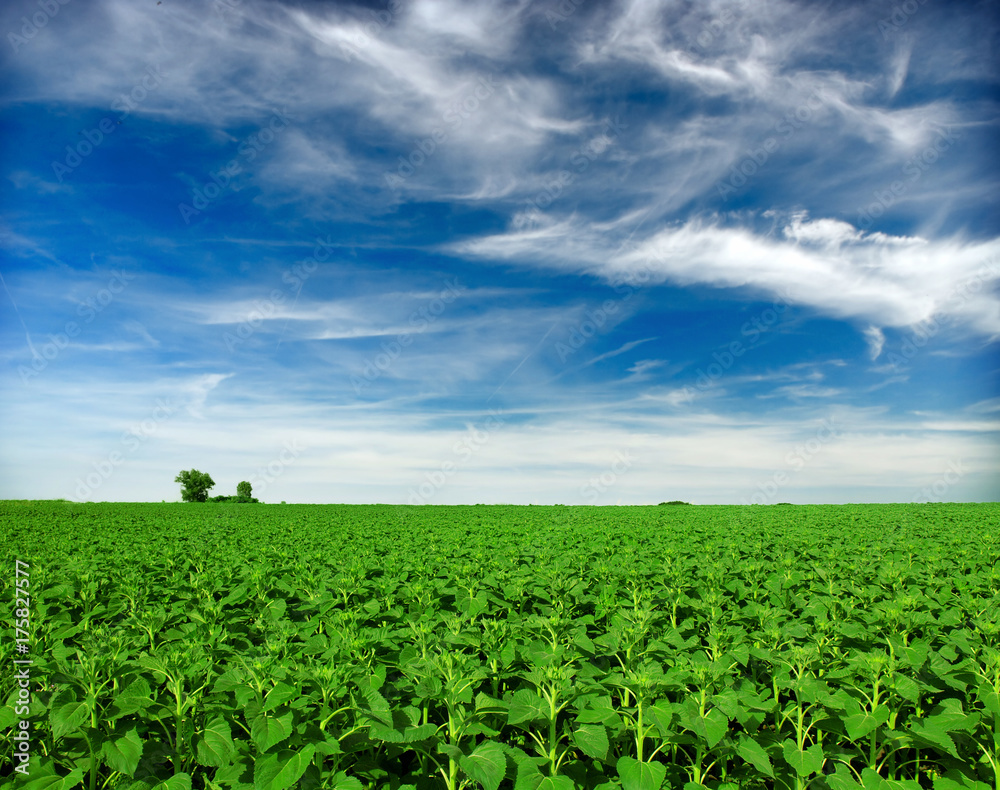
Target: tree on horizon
(194,485)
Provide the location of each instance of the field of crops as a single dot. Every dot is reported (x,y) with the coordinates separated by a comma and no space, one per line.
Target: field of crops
(543,648)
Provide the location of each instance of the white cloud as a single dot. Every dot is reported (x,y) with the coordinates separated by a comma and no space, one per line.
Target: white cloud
(825,264)
(876,341)
(825,232)
(366,453)
(900,66)
(196,392)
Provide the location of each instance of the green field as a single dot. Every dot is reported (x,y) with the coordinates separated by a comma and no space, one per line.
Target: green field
(269,646)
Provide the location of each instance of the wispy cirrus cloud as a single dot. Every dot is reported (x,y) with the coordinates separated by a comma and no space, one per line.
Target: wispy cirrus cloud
(825,264)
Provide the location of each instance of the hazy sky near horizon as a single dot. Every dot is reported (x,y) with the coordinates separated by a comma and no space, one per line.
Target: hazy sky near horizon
(571,252)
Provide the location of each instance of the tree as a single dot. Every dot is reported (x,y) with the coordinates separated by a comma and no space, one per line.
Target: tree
(194,485)
(244,489)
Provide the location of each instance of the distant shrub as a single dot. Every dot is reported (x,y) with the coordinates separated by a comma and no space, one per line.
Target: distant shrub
(194,485)
(674,502)
(237,499)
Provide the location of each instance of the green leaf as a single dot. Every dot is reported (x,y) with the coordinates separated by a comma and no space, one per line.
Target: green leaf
(933,734)
(842,779)
(741,653)
(711,727)
(268,731)
(377,708)
(805,762)
(52,782)
(276,609)
(954,780)
(7,717)
(280,771)
(592,740)
(408,735)
(229,680)
(950,716)
(555,783)
(861,724)
(374,680)
(526,705)
(132,699)
(486,764)
(451,751)
(137,688)
(727,702)
(906,687)
(279,695)
(529,777)
(659,715)
(68,718)
(486,704)
(214,747)
(155,664)
(344,782)
(237,774)
(991,701)
(600,711)
(754,753)
(122,751)
(640,776)
(873,781)
(175,782)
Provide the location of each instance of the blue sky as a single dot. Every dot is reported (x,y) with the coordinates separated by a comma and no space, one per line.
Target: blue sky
(528,252)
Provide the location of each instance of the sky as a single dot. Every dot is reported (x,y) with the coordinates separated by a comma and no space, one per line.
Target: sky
(442,252)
